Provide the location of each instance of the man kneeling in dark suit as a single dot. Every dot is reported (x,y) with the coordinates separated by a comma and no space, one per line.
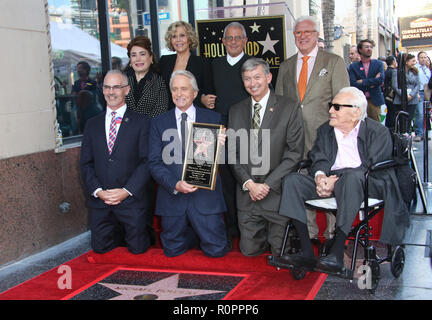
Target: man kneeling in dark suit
(345,147)
(191,216)
(114,170)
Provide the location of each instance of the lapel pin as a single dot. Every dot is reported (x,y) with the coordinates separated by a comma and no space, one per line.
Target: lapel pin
(126,119)
(271,109)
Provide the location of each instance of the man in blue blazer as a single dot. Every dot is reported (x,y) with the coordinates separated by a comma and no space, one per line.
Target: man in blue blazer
(115,171)
(190,216)
(368,76)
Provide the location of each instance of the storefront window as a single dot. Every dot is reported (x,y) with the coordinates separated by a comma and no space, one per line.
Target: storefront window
(75,41)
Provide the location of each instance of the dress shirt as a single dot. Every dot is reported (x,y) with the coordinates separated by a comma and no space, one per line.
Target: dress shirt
(366,65)
(311,61)
(424,75)
(191,112)
(233,60)
(119,113)
(347,155)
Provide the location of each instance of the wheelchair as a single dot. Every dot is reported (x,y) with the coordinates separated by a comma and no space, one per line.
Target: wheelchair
(360,233)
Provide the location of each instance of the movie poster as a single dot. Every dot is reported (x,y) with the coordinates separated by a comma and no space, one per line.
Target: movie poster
(266,39)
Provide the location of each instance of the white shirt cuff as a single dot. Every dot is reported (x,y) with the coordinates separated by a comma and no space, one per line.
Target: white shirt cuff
(127,191)
(244,185)
(95,192)
(319,172)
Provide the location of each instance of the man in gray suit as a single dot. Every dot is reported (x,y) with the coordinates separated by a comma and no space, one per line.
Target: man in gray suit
(273,124)
(324,74)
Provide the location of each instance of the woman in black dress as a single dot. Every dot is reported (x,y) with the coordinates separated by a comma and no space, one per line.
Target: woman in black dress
(181,38)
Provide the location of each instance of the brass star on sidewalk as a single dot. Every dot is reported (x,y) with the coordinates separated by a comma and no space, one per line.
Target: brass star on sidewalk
(165,289)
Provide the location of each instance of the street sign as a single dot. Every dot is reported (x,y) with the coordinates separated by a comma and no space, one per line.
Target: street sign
(162,16)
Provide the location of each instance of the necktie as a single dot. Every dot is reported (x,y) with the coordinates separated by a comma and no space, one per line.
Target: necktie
(302,81)
(183,130)
(256,118)
(112,132)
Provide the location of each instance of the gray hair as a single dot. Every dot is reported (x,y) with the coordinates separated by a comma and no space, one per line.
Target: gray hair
(308,18)
(235,24)
(358,100)
(186,74)
(253,63)
(123,76)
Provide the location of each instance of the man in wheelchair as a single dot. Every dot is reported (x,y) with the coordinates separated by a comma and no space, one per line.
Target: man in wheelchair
(346,146)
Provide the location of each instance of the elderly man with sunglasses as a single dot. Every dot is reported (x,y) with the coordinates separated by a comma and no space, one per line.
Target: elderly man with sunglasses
(346,146)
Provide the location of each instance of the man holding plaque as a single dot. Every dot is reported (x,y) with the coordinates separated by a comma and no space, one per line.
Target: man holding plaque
(276,140)
(190,215)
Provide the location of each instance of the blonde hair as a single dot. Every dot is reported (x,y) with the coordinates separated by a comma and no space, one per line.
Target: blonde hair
(193,39)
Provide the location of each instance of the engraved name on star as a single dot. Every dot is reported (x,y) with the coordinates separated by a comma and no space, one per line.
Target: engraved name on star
(268,44)
(165,289)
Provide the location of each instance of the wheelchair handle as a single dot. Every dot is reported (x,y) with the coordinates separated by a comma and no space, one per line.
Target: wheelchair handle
(382,165)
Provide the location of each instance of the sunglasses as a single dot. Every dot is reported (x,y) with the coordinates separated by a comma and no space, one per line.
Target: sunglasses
(337,106)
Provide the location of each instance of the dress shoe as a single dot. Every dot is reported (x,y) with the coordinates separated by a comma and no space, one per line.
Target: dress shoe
(330,264)
(296,260)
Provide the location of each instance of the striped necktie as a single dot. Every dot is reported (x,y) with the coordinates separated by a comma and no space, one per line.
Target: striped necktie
(112,132)
(256,118)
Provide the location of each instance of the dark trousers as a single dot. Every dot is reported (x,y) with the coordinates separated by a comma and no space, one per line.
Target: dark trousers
(348,191)
(181,233)
(104,229)
(229,185)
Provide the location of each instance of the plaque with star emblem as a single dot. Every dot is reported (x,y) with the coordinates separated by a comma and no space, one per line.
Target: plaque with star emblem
(201,156)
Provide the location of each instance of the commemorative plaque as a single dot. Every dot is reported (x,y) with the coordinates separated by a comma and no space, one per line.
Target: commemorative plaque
(202,152)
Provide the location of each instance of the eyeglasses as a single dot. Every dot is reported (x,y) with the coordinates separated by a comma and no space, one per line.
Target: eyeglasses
(231,38)
(307,33)
(115,88)
(337,106)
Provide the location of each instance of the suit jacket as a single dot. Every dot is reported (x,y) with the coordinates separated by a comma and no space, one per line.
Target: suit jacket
(374,144)
(328,76)
(370,83)
(199,67)
(283,118)
(163,142)
(126,166)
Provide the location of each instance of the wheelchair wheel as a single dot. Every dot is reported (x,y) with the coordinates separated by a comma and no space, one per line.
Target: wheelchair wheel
(397,261)
(375,274)
(297,274)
